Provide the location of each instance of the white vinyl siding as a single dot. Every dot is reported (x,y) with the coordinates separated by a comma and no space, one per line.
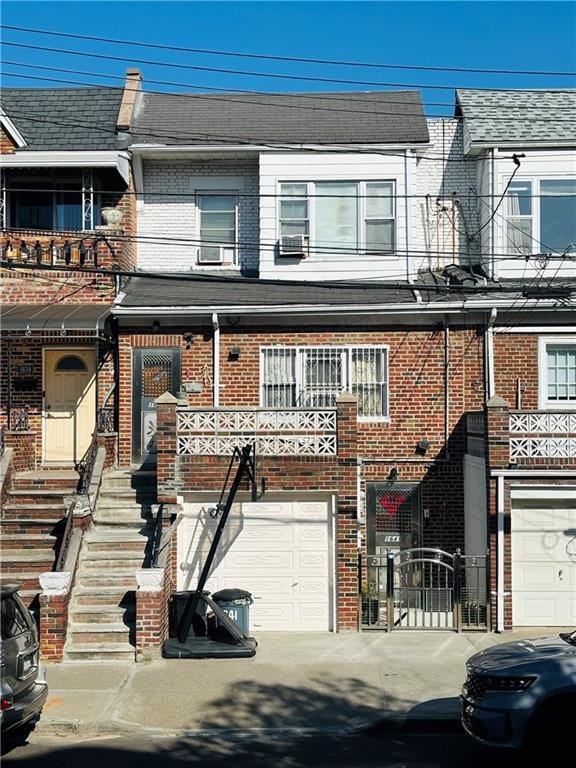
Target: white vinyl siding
(313,377)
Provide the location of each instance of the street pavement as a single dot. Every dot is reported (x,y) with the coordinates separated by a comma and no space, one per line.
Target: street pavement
(296,684)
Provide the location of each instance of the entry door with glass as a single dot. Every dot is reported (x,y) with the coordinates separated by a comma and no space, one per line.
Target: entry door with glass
(69,403)
(154,371)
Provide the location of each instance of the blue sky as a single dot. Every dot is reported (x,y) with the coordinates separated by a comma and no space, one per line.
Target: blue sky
(496,35)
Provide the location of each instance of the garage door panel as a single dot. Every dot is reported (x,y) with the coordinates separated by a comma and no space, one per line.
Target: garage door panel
(277,551)
(543,568)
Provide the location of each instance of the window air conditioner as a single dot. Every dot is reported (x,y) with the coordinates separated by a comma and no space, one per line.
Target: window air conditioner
(215,254)
(295,246)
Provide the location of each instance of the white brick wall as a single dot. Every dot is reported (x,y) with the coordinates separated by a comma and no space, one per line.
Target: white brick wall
(163,219)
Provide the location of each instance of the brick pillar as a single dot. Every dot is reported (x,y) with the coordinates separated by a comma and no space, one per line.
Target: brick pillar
(54,602)
(497,457)
(24,447)
(347,524)
(152,601)
(166,442)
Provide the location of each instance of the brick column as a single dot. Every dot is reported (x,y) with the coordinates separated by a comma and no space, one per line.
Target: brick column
(24,446)
(347,524)
(54,602)
(497,457)
(152,601)
(166,442)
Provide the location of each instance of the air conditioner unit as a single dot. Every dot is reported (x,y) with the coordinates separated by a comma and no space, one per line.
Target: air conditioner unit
(215,254)
(295,246)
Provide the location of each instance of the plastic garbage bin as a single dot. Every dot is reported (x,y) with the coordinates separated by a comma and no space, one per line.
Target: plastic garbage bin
(198,625)
(236,603)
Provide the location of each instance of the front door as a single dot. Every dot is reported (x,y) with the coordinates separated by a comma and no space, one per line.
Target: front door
(69,403)
(154,371)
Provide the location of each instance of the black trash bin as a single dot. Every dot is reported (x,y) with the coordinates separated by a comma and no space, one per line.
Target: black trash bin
(236,604)
(198,625)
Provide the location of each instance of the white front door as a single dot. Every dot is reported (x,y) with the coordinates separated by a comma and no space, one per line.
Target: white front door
(69,403)
(544,561)
(278,551)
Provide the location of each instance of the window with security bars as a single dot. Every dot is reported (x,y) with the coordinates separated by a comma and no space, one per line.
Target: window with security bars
(313,377)
(156,375)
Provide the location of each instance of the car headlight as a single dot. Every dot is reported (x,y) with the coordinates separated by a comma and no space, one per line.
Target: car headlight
(508,684)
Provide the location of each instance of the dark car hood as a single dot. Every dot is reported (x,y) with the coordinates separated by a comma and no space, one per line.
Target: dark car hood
(522,653)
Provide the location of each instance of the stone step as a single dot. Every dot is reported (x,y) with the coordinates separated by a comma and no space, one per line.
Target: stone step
(99,652)
(28,579)
(37,496)
(108,578)
(26,556)
(26,540)
(46,478)
(81,634)
(132,560)
(44,528)
(102,614)
(30,511)
(113,596)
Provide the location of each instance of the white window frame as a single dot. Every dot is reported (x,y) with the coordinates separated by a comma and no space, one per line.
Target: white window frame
(544,343)
(346,353)
(536,233)
(361,216)
(198,213)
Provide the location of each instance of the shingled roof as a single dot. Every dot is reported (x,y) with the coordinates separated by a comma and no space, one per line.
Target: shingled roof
(67,119)
(522,117)
(274,118)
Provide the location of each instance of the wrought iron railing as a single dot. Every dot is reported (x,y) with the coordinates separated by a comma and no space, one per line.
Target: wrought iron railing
(275,432)
(105,420)
(2,440)
(425,589)
(542,434)
(19,421)
(55,249)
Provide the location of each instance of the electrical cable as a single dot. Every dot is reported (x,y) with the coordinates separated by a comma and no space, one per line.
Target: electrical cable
(271,57)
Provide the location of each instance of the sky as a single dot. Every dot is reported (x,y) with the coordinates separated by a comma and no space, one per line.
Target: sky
(517,35)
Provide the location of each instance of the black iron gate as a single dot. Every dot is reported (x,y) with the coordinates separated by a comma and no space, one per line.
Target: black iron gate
(425,588)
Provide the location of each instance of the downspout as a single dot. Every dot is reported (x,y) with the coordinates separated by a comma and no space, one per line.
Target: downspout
(500,554)
(493,222)
(216,361)
(490,382)
(359,515)
(407,190)
(446,388)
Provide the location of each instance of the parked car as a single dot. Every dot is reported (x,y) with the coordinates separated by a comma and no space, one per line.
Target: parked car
(23,686)
(523,694)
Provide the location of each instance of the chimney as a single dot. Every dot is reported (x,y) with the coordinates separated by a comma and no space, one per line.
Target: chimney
(131,90)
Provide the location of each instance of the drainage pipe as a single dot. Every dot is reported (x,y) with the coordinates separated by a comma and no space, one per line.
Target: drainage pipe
(216,361)
(490,383)
(446,389)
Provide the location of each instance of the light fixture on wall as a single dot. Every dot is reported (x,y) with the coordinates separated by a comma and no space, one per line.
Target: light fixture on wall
(188,337)
(422,446)
(234,353)
(393,475)
(156,326)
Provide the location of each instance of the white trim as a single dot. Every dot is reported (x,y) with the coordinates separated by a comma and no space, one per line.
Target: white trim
(27,159)
(144,149)
(543,492)
(10,128)
(500,554)
(333,574)
(544,404)
(560,473)
(212,190)
(216,359)
(537,329)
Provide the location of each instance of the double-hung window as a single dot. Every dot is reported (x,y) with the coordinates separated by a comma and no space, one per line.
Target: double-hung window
(217,227)
(313,377)
(540,216)
(557,373)
(340,217)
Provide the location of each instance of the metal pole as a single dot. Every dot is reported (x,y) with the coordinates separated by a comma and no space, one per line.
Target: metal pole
(458,590)
(390,590)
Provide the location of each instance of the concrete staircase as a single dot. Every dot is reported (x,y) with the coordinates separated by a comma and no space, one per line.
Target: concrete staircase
(102,607)
(32,524)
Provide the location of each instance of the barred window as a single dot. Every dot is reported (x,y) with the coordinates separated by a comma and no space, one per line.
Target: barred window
(313,377)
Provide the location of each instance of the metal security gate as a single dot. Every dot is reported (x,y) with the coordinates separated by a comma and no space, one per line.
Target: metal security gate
(425,588)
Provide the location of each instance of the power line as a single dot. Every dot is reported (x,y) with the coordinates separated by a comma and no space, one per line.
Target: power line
(248,73)
(299,59)
(242,91)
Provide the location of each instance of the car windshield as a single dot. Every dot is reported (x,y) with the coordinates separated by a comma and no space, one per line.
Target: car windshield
(569,637)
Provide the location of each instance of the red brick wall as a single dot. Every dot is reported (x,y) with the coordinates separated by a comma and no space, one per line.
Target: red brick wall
(516,358)
(7,145)
(53,625)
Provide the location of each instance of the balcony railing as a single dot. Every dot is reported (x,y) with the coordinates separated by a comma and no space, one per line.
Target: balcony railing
(66,250)
(275,432)
(542,435)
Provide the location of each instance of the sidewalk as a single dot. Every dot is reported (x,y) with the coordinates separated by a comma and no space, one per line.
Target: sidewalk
(302,682)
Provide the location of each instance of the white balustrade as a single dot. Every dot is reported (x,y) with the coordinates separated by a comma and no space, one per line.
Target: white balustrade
(539,435)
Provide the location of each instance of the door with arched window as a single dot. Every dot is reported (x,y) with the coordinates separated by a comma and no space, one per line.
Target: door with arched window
(69,403)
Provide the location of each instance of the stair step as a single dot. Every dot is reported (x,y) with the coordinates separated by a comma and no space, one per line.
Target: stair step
(82,634)
(107,579)
(114,596)
(29,580)
(27,540)
(132,562)
(102,614)
(99,651)
(26,556)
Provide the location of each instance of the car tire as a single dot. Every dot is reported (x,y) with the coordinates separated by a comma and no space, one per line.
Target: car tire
(552,727)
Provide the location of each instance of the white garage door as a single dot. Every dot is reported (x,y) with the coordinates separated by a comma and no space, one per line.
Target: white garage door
(544,561)
(278,551)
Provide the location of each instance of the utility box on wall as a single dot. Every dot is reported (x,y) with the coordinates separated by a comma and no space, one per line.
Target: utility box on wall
(393,517)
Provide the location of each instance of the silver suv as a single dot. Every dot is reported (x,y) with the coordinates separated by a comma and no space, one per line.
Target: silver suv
(523,694)
(23,685)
